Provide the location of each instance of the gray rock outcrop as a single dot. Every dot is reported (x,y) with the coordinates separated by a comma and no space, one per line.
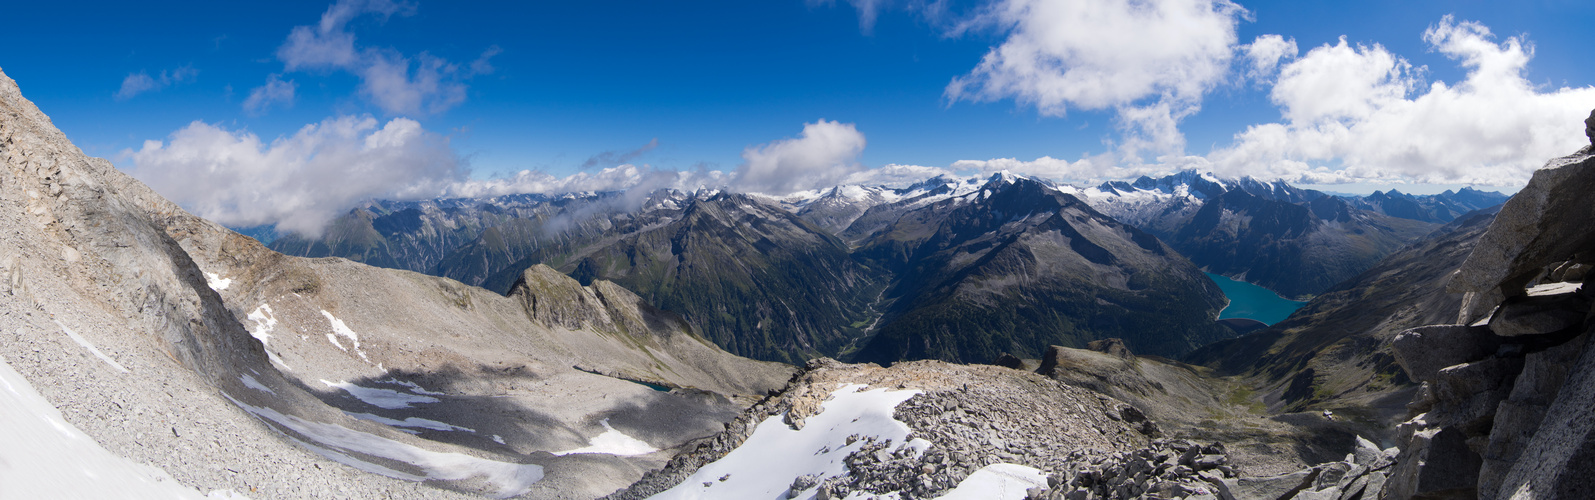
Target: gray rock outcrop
(1504,409)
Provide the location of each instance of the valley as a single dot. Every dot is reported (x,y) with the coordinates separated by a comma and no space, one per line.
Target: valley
(1248,301)
(948,338)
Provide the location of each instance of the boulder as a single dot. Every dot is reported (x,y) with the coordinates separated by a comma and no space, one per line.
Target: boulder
(1111,346)
(1435,464)
(1589,127)
(1368,454)
(1468,394)
(1545,223)
(1049,360)
(1279,487)
(1007,360)
(1424,350)
(1559,462)
(1539,314)
(1519,417)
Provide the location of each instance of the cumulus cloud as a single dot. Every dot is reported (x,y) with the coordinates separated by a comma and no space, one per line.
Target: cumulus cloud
(275,91)
(141,82)
(299,182)
(1151,61)
(1265,53)
(393,81)
(1366,112)
(823,155)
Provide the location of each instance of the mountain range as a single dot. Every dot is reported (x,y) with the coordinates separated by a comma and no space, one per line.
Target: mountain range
(152,353)
(861,270)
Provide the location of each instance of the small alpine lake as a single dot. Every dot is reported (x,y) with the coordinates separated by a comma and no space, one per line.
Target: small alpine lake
(1253,302)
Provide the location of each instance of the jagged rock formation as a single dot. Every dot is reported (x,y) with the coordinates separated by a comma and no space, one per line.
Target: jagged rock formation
(177,343)
(1019,265)
(959,424)
(959,419)
(1504,407)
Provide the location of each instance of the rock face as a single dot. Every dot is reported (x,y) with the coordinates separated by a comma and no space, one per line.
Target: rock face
(180,344)
(1504,410)
(1019,265)
(967,418)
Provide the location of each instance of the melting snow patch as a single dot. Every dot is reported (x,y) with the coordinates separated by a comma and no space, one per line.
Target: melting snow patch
(251,383)
(611,442)
(264,322)
(412,385)
(336,442)
(498,439)
(217,282)
(86,345)
(765,465)
(382,398)
(1553,289)
(998,482)
(415,422)
(343,330)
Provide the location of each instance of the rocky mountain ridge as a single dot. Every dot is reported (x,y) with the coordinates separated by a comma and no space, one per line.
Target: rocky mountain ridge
(181,345)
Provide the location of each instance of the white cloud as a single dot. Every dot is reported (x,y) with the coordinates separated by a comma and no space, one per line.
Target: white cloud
(1350,114)
(141,82)
(1265,53)
(1085,171)
(825,154)
(275,91)
(627,177)
(1150,60)
(299,182)
(394,82)
(895,175)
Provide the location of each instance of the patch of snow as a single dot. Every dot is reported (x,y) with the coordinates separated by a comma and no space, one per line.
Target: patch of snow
(46,457)
(1553,289)
(998,482)
(217,282)
(414,422)
(86,345)
(415,388)
(765,465)
(612,442)
(381,398)
(343,330)
(336,442)
(264,322)
(498,439)
(251,383)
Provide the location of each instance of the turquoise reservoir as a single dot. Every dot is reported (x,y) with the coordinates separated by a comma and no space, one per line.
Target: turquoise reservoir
(1253,302)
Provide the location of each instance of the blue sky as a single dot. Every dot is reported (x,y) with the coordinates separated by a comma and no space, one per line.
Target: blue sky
(724,86)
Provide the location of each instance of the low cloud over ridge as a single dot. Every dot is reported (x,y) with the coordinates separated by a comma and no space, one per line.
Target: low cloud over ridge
(823,155)
(299,182)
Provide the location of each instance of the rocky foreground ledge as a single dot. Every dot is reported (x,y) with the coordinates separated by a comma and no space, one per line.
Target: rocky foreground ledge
(1507,403)
(998,429)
